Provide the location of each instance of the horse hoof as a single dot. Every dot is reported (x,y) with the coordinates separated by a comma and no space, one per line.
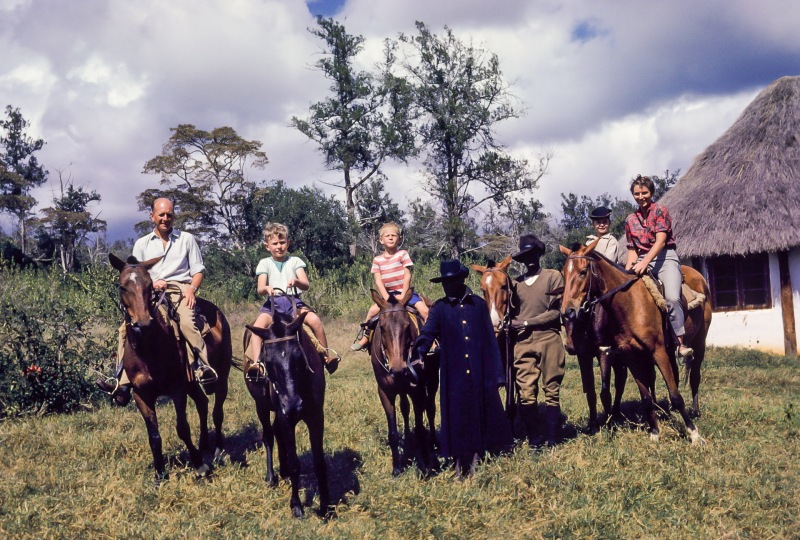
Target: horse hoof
(203,471)
(271,481)
(397,471)
(654,437)
(696,439)
(219,456)
(297,512)
(161,478)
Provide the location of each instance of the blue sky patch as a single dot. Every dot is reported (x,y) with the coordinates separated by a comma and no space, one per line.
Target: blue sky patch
(326,8)
(585,31)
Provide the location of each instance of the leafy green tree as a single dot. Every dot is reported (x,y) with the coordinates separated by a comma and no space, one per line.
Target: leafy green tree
(68,223)
(505,222)
(204,173)
(460,96)
(374,208)
(424,236)
(20,170)
(365,120)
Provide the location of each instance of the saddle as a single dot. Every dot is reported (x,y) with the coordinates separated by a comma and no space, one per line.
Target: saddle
(693,299)
(368,327)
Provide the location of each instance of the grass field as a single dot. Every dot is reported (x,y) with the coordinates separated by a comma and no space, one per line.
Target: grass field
(89,475)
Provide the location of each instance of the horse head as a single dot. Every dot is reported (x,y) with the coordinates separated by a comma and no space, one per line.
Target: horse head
(394,331)
(135,290)
(495,287)
(575,309)
(285,360)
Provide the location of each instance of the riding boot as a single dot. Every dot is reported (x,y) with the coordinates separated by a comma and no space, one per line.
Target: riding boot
(530,417)
(552,424)
(205,375)
(120,394)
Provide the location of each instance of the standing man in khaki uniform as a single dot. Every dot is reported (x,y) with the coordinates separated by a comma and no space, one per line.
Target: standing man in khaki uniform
(181,272)
(538,348)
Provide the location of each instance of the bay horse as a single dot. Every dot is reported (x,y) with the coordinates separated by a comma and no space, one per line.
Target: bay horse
(156,364)
(632,324)
(294,388)
(496,288)
(390,351)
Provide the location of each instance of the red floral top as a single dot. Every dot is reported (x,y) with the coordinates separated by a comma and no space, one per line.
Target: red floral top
(641,231)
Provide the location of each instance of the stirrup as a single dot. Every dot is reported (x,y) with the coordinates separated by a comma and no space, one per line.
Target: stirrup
(108,382)
(332,359)
(257,372)
(205,374)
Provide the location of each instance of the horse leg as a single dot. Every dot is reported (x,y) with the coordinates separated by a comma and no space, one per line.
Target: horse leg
(418,397)
(405,409)
(431,387)
(585,362)
(620,379)
(292,464)
(694,377)
(644,375)
(218,415)
(201,404)
(394,437)
(316,429)
(267,436)
(201,470)
(663,361)
(148,411)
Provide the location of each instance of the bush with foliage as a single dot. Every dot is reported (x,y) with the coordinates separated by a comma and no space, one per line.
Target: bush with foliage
(56,333)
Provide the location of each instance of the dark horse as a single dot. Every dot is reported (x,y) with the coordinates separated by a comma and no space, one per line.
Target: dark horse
(496,287)
(391,349)
(294,388)
(632,324)
(156,364)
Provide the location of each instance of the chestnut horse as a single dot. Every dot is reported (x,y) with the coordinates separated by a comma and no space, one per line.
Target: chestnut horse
(390,350)
(496,287)
(156,364)
(631,323)
(294,388)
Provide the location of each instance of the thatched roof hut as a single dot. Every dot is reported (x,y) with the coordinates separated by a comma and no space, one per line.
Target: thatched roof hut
(742,194)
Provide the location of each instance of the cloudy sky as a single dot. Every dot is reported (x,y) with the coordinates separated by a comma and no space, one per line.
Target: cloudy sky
(611,88)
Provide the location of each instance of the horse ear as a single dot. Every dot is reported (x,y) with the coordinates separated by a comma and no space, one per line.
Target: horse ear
(593,245)
(566,251)
(148,264)
(263,333)
(296,324)
(377,298)
(116,262)
(479,269)
(406,297)
(505,263)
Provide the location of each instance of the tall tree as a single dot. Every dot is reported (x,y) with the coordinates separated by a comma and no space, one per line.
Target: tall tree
(68,223)
(461,95)
(20,170)
(365,120)
(205,176)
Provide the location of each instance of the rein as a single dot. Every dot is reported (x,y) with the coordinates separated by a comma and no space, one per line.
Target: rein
(587,306)
(383,360)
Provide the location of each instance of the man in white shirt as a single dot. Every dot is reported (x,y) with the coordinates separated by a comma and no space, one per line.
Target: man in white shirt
(182,269)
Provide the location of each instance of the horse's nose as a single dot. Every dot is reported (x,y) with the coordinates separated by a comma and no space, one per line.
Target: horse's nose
(293,408)
(570,314)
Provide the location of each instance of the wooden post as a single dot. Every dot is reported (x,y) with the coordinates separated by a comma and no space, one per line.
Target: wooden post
(787,306)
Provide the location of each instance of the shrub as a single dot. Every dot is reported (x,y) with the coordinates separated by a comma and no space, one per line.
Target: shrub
(56,333)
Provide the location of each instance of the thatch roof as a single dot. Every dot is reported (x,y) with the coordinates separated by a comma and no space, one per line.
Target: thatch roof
(742,194)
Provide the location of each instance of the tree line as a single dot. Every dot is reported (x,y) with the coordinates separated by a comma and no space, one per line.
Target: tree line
(433,98)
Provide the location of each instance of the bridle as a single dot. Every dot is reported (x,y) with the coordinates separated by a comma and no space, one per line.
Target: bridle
(505,322)
(586,309)
(383,358)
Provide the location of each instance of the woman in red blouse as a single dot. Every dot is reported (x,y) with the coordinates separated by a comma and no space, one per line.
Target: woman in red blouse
(651,244)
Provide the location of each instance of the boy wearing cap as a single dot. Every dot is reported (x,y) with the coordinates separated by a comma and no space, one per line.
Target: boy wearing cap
(538,348)
(473,421)
(601,221)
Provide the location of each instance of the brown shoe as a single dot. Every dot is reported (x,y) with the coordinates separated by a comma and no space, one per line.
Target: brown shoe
(332,359)
(120,395)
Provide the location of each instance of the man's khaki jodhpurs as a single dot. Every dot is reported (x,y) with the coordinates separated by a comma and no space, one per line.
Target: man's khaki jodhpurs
(539,354)
(191,335)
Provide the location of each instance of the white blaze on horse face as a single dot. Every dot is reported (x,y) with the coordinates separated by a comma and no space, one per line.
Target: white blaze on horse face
(132,277)
(570,267)
(495,316)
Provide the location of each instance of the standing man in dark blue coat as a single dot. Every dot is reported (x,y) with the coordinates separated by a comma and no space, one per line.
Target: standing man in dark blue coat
(473,421)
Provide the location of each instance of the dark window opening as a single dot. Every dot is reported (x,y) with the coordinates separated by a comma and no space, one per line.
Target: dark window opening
(740,282)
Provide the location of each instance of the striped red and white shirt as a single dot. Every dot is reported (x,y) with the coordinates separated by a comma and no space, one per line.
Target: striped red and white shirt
(392,269)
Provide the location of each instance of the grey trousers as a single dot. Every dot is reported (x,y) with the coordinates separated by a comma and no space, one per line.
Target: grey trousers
(667,267)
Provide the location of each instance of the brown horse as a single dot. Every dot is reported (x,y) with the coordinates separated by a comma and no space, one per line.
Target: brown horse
(156,364)
(294,388)
(496,287)
(631,323)
(391,349)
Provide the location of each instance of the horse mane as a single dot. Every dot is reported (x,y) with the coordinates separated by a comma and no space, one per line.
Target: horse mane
(615,264)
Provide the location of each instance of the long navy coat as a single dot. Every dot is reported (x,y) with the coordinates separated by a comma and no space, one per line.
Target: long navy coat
(472,414)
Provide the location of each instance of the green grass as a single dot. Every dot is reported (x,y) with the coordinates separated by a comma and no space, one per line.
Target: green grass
(89,474)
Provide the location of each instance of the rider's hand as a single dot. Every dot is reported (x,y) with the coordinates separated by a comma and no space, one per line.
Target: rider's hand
(639,268)
(270,290)
(191,299)
(517,324)
(159,285)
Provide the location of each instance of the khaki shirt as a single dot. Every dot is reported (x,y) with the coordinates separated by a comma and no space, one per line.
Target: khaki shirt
(607,245)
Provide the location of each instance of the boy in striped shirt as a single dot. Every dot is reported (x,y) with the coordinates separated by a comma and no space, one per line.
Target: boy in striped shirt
(392,273)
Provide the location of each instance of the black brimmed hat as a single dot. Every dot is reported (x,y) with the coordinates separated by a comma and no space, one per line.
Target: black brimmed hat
(529,247)
(601,212)
(451,270)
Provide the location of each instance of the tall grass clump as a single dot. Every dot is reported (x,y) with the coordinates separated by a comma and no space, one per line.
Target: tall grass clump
(56,332)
